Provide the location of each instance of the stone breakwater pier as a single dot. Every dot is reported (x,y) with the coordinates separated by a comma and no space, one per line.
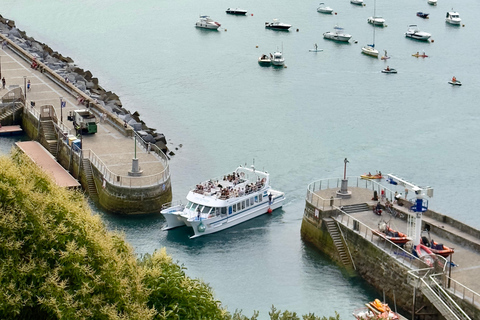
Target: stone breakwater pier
(122,166)
(345,228)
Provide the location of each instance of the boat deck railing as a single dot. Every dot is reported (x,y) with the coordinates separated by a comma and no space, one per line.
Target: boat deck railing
(330,183)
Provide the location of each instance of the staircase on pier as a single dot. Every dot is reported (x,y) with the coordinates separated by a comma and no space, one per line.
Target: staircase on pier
(87,168)
(339,242)
(353,208)
(50,136)
(9,111)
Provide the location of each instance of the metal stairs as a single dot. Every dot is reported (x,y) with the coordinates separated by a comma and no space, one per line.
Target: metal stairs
(51,136)
(11,111)
(87,168)
(353,208)
(337,238)
(442,300)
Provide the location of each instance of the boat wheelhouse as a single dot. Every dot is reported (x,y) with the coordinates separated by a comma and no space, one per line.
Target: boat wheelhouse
(218,204)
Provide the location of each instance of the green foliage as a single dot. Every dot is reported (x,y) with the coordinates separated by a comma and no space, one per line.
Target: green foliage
(57,261)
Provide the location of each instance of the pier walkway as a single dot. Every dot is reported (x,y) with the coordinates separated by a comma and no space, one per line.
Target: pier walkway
(464,281)
(111,150)
(47,163)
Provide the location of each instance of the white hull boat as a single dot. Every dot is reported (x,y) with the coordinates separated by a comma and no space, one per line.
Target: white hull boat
(236,11)
(376,21)
(414,33)
(277,25)
(389,70)
(357,2)
(278,59)
(432,2)
(207,23)
(370,51)
(324,9)
(337,35)
(264,60)
(218,204)
(453,18)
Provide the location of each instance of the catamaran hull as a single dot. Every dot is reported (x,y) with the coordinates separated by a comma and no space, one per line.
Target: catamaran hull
(224,222)
(174,220)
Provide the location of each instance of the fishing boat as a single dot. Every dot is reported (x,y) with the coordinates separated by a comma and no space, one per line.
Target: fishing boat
(217,204)
(207,23)
(236,11)
(278,59)
(324,9)
(337,35)
(432,2)
(369,176)
(422,15)
(453,18)
(277,25)
(264,60)
(414,33)
(389,70)
(376,21)
(387,233)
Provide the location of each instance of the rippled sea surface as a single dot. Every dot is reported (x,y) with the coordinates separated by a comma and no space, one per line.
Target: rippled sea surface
(206,92)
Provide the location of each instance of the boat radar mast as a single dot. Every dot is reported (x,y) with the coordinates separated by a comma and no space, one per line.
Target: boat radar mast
(420,204)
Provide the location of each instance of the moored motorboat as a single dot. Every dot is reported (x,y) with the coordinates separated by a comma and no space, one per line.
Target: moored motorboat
(278,59)
(337,35)
(432,2)
(218,204)
(207,23)
(422,15)
(385,232)
(370,50)
(389,70)
(236,11)
(453,18)
(376,21)
(414,33)
(324,9)
(277,25)
(264,60)
(357,2)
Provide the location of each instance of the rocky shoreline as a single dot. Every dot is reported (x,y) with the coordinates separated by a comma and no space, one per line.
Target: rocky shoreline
(82,80)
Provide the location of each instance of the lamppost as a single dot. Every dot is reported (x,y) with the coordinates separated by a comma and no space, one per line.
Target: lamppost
(0,67)
(25,87)
(61,109)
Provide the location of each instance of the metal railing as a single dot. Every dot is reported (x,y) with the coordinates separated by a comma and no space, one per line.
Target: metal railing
(462,291)
(125,181)
(330,183)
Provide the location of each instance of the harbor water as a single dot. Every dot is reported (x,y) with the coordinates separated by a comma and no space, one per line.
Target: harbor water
(218,109)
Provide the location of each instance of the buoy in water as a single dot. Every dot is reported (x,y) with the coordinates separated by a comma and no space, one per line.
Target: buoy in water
(256,46)
(432,40)
(252,14)
(269,210)
(335,13)
(225,30)
(297,30)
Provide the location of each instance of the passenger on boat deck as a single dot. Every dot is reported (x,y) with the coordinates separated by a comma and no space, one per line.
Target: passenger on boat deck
(454,79)
(418,53)
(388,68)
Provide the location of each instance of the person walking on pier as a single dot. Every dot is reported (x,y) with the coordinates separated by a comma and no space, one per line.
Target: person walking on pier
(3,83)
(29,86)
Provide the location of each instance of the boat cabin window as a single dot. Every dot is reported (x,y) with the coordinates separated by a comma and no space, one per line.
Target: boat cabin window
(252,200)
(223,210)
(217,211)
(260,197)
(189,205)
(243,204)
(239,206)
(247,203)
(206,209)
(256,198)
(234,208)
(194,207)
(229,210)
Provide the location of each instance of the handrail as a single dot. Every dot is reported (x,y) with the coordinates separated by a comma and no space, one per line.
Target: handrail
(126,181)
(328,183)
(455,306)
(348,249)
(464,293)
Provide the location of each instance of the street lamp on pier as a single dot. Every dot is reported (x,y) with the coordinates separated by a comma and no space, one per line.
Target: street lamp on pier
(25,88)
(62,103)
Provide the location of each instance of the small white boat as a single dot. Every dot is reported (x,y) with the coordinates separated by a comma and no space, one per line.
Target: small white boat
(389,70)
(207,23)
(277,59)
(324,9)
(432,2)
(218,204)
(277,25)
(236,11)
(453,18)
(370,50)
(414,33)
(357,2)
(337,35)
(376,21)
(455,82)
(265,60)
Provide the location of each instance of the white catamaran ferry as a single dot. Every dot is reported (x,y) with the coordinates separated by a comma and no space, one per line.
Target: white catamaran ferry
(218,204)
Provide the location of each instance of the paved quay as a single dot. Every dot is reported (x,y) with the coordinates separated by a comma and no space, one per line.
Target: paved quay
(113,149)
(467,260)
